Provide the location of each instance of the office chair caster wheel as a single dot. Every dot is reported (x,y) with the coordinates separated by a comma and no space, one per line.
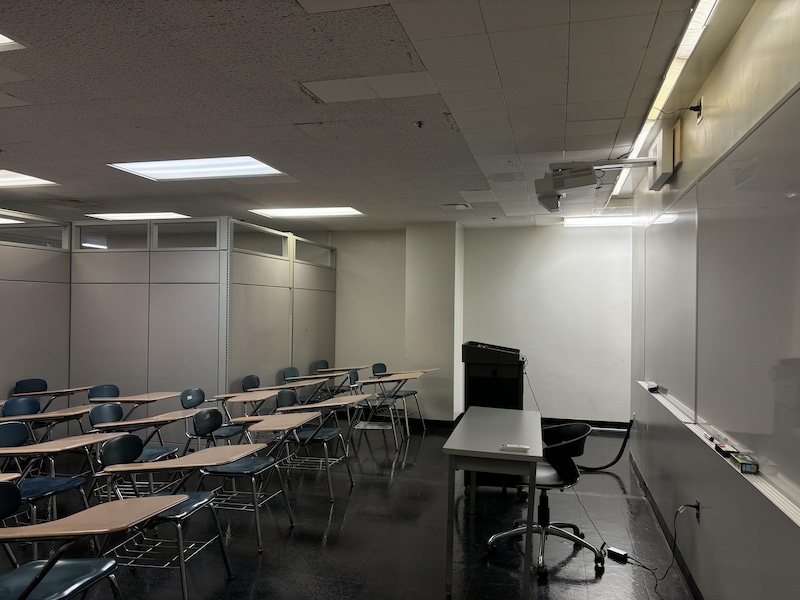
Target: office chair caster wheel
(491,551)
(522,495)
(541,574)
(599,569)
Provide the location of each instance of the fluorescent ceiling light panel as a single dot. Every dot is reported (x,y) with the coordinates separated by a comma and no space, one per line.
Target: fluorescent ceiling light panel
(144,216)
(228,167)
(6,43)
(700,18)
(10,179)
(331,211)
(598,221)
(5,221)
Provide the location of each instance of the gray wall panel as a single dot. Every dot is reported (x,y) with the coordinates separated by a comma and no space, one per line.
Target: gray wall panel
(109,336)
(184,267)
(259,270)
(314,328)
(33,264)
(310,277)
(110,267)
(259,333)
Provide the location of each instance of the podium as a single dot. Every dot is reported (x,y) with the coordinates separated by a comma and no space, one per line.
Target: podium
(493,377)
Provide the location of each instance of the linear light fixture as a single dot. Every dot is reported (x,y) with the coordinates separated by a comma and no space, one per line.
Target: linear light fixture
(5,221)
(6,43)
(144,216)
(700,18)
(94,246)
(226,167)
(598,221)
(285,213)
(10,179)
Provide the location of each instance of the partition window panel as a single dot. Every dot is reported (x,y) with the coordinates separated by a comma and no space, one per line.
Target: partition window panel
(260,240)
(313,253)
(185,235)
(34,234)
(111,236)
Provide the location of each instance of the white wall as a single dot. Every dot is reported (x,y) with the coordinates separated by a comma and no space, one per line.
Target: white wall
(563,297)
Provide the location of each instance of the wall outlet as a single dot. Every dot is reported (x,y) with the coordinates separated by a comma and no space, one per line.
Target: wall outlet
(700,112)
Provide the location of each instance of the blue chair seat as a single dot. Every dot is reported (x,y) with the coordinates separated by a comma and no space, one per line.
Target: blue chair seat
(245,467)
(196,501)
(156,453)
(43,487)
(326,434)
(228,431)
(67,579)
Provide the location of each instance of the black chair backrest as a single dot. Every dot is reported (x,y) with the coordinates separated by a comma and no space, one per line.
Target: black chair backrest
(320,364)
(249,382)
(13,434)
(378,368)
(121,450)
(352,375)
(10,499)
(110,412)
(286,398)
(21,405)
(108,390)
(27,386)
(192,397)
(562,443)
(291,372)
(207,421)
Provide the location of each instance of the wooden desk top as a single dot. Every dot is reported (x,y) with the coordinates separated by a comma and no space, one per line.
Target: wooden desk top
(343,369)
(389,373)
(292,385)
(9,476)
(162,419)
(101,519)
(315,378)
(335,402)
(140,398)
(392,378)
(64,392)
(53,415)
(62,445)
(209,457)
(285,422)
(253,396)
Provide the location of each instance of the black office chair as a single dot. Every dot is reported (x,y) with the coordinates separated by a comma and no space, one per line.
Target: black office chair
(562,443)
(108,390)
(30,386)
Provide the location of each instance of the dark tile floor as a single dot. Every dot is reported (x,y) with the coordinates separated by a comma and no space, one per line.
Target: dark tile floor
(385,538)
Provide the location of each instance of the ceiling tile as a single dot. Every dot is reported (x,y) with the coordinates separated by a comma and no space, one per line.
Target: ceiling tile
(429,19)
(508,185)
(611,35)
(7,76)
(482,119)
(590,10)
(464,79)
(527,44)
(539,161)
(639,107)
(524,119)
(590,142)
(478,196)
(461,51)
(488,134)
(402,84)
(505,15)
(489,147)
(543,73)
(341,90)
(590,111)
(627,63)
(540,143)
(612,88)
(604,126)
(499,163)
(7,101)
(535,95)
(508,196)
(584,155)
(628,130)
(318,6)
(475,100)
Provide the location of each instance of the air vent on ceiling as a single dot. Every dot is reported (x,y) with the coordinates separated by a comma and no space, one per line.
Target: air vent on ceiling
(456,206)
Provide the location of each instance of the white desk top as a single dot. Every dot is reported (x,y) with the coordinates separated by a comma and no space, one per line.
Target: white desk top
(482,431)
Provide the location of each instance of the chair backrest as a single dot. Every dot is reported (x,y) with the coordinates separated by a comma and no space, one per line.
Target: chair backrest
(286,398)
(291,372)
(107,390)
(378,368)
(110,412)
(562,443)
(320,364)
(21,405)
(207,421)
(121,450)
(352,375)
(10,499)
(27,386)
(192,397)
(13,434)
(250,381)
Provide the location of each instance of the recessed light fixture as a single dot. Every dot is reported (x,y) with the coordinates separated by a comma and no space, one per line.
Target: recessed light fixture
(227,167)
(144,216)
(6,43)
(5,221)
(10,179)
(598,221)
(331,211)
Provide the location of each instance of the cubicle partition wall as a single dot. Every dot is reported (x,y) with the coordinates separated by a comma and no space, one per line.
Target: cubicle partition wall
(34,295)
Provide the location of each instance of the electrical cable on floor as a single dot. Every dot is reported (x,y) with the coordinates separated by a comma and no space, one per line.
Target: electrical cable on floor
(652,571)
(617,457)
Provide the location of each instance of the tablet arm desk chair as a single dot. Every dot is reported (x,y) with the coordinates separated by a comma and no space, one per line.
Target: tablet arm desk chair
(562,443)
(379,368)
(111,412)
(107,390)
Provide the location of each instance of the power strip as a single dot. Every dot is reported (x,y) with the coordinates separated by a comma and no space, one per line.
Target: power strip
(617,555)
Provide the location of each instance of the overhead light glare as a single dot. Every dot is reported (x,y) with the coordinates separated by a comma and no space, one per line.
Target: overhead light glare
(5,221)
(144,216)
(666,218)
(228,167)
(285,213)
(6,43)
(598,221)
(10,179)
(700,19)
(96,246)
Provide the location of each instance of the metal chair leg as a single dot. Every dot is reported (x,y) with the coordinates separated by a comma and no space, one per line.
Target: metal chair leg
(328,469)
(112,581)
(221,540)
(254,488)
(285,494)
(182,559)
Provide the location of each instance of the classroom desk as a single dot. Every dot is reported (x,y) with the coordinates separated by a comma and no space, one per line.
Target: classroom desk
(343,369)
(398,380)
(321,380)
(53,447)
(52,418)
(56,393)
(9,476)
(389,373)
(156,422)
(137,400)
(208,457)
(278,422)
(475,445)
(254,397)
